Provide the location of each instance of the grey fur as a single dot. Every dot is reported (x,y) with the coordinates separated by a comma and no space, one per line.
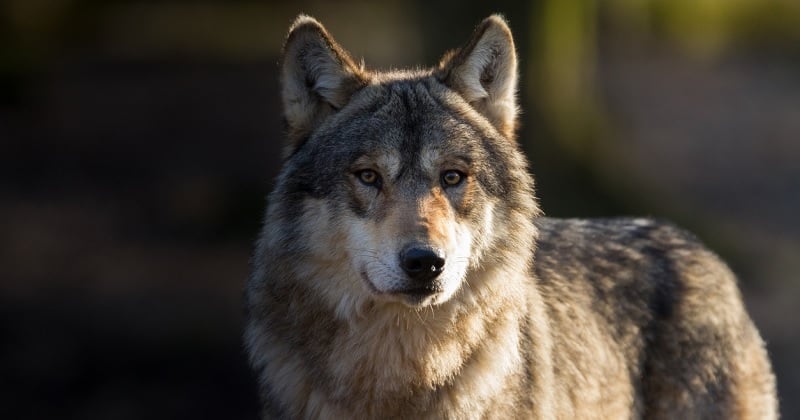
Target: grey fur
(530,317)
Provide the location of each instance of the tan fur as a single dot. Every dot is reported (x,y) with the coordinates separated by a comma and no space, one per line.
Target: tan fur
(526,317)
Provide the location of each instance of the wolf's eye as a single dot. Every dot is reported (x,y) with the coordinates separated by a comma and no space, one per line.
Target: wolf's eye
(369,177)
(452,178)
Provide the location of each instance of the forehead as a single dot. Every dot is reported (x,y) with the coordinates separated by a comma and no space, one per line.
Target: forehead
(404,116)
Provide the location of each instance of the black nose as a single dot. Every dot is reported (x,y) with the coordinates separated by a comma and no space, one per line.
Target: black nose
(422,264)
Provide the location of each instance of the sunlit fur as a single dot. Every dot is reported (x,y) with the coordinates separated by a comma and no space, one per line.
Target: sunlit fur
(529,318)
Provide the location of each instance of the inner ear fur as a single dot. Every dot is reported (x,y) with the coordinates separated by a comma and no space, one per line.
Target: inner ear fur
(484,73)
(317,77)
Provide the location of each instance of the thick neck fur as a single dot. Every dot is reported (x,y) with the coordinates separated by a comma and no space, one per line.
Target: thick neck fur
(387,359)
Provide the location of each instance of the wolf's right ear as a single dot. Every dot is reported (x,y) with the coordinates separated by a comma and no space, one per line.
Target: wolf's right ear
(317,77)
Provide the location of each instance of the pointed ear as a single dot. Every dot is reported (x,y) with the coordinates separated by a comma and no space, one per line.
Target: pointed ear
(317,76)
(484,72)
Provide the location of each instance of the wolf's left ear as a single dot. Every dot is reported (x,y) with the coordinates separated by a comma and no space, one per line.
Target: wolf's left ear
(484,72)
(317,77)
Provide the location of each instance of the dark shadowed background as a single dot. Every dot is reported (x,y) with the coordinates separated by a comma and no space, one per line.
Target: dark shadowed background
(138,140)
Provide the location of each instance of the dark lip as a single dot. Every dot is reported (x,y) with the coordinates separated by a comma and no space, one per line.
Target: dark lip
(413,294)
(418,292)
(419,296)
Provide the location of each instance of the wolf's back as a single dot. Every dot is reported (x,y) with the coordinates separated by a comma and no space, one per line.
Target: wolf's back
(661,309)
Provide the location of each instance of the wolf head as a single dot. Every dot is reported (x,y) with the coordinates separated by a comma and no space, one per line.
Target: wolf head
(398,187)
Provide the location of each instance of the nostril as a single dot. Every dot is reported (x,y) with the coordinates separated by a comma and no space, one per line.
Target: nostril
(422,263)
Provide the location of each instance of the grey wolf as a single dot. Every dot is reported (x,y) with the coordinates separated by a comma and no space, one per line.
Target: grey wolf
(405,270)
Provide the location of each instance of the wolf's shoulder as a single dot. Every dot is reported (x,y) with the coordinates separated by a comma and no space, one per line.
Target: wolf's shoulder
(628,264)
(619,248)
(613,237)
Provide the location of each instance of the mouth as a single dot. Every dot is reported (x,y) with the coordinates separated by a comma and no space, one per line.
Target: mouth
(418,296)
(418,292)
(412,296)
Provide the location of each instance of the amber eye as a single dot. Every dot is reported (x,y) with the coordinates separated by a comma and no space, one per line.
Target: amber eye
(452,178)
(369,177)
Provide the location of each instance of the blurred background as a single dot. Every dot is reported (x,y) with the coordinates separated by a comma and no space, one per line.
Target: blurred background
(138,140)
